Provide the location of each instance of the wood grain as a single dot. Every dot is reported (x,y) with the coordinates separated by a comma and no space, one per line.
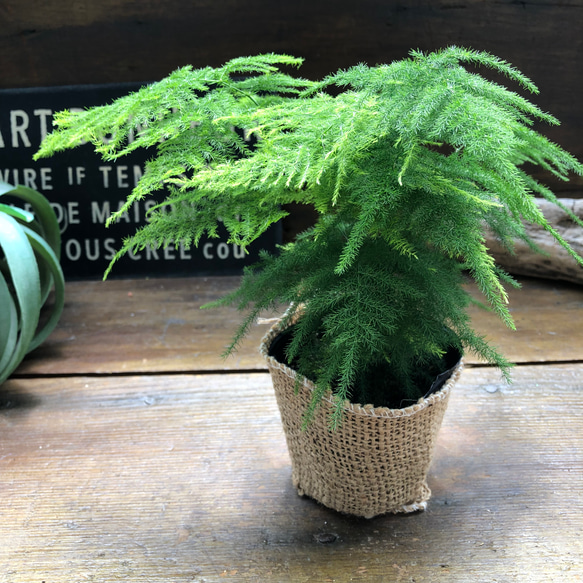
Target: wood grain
(186,478)
(548,318)
(115,465)
(156,325)
(556,262)
(150,325)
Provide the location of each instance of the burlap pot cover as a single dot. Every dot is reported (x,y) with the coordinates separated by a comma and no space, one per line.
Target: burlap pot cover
(376,462)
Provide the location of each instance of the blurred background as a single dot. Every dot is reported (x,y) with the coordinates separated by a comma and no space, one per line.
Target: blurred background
(69,42)
(75,42)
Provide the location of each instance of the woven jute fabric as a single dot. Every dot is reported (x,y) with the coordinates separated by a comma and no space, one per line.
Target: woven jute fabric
(375,463)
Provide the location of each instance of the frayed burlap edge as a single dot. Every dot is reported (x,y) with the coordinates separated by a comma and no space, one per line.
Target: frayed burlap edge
(375,463)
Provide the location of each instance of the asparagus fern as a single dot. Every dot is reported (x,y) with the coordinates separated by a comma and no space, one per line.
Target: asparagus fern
(405,164)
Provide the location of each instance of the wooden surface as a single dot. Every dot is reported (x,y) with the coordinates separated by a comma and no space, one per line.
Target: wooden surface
(554,262)
(153,469)
(156,325)
(187,479)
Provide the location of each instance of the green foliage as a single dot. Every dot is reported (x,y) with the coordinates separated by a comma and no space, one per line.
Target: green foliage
(405,163)
(30,246)
(383,307)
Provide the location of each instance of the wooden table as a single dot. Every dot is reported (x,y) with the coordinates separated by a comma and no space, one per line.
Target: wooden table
(130,451)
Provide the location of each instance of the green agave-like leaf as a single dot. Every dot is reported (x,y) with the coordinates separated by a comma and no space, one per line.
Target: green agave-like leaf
(25,280)
(17,213)
(8,326)
(45,223)
(30,243)
(46,256)
(43,212)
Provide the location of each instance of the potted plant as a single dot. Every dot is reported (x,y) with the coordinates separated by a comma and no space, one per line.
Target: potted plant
(29,269)
(405,165)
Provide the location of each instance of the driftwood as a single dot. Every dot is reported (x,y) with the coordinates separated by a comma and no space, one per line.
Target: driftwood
(556,263)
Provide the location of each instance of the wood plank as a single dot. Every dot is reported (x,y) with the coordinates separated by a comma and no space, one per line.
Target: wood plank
(186,479)
(556,263)
(548,317)
(157,326)
(145,325)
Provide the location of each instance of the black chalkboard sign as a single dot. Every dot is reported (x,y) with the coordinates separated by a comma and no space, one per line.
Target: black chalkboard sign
(83,190)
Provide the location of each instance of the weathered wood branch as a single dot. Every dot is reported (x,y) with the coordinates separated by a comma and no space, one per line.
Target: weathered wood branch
(556,263)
